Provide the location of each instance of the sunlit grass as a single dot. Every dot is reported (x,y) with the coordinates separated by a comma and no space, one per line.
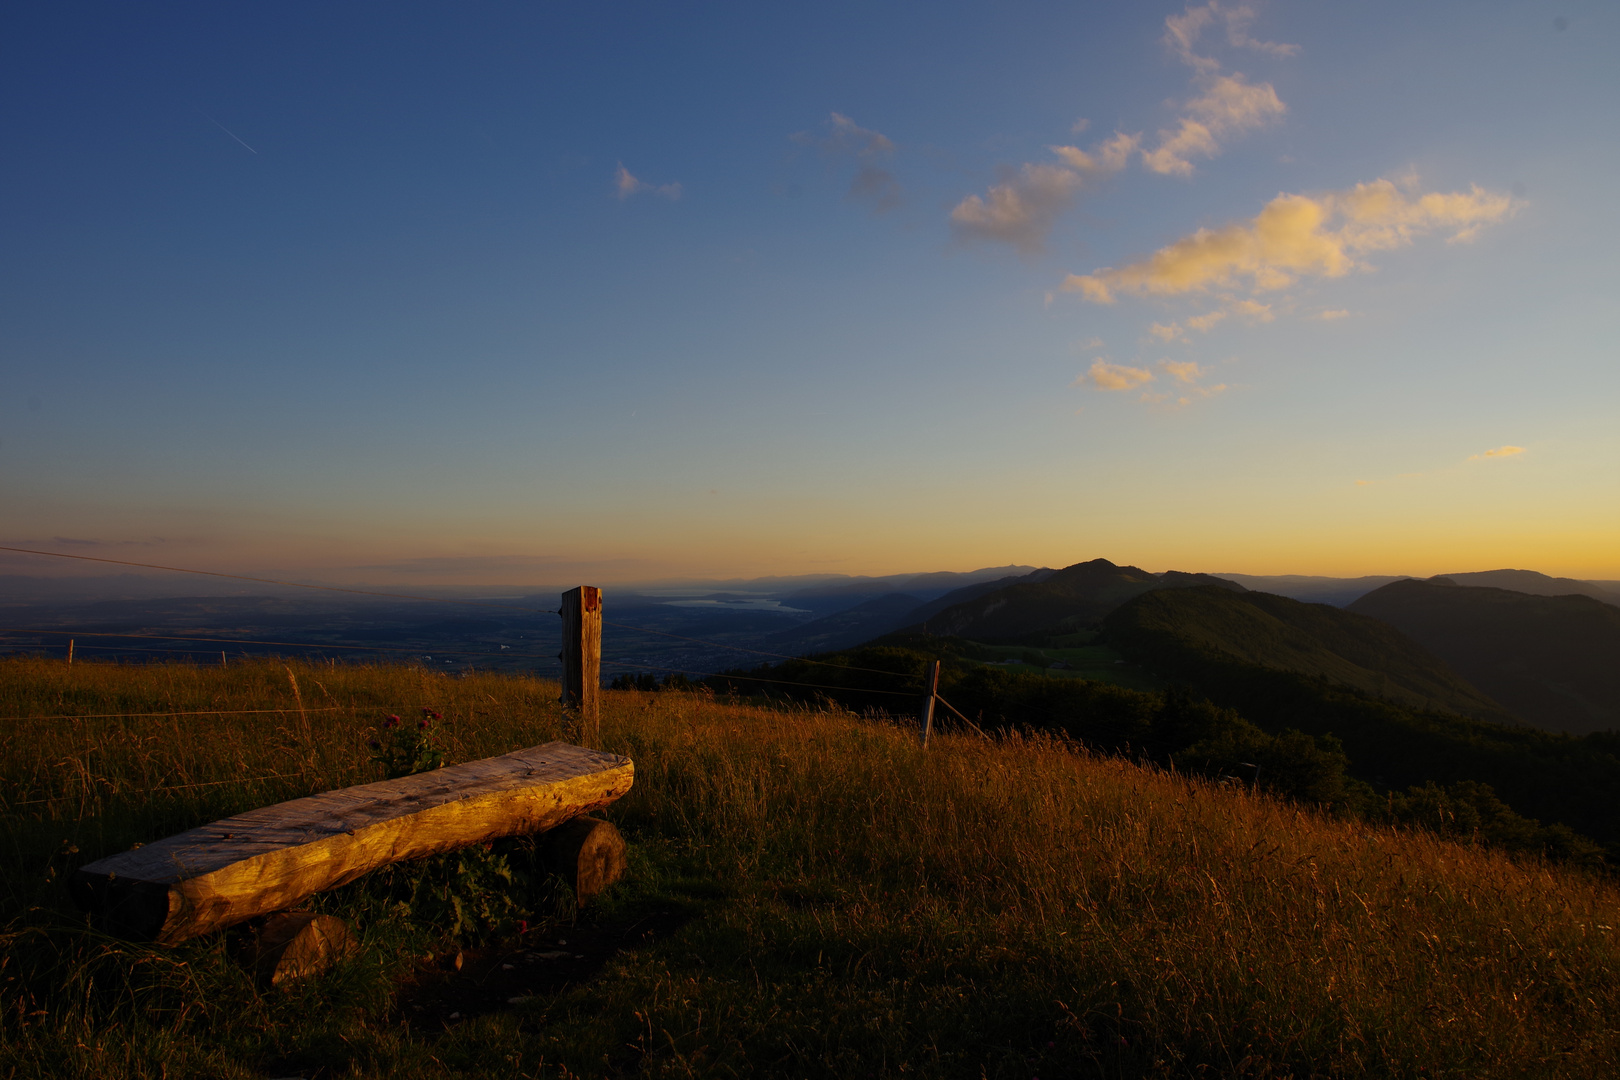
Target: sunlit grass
(860,906)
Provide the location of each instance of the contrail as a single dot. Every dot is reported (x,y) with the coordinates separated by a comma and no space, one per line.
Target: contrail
(226,130)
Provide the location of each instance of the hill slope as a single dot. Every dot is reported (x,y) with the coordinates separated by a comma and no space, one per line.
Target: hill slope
(812,895)
(1314,640)
(1553,660)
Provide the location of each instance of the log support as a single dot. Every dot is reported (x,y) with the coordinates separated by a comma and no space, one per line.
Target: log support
(588,853)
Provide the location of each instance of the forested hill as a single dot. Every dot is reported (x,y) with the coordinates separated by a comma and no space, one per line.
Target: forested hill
(1072,598)
(1553,660)
(1314,640)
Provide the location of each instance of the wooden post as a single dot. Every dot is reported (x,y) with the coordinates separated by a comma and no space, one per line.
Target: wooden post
(70,652)
(931,690)
(582,661)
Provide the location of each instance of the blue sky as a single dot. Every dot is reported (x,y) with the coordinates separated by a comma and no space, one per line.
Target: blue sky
(522,293)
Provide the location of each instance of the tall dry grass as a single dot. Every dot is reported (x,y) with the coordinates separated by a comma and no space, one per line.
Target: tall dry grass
(863,906)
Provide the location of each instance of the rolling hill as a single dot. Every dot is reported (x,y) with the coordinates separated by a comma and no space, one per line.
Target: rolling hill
(1073,598)
(1314,640)
(1554,661)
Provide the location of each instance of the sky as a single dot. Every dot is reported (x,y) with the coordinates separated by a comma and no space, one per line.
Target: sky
(549,292)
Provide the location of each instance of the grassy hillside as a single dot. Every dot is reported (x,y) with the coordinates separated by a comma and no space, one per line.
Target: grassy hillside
(1314,640)
(812,895)
(1553,660)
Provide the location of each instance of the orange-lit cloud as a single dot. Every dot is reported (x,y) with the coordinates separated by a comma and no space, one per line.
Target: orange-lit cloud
(1499,452)
(1106,376)
(1229,106)
(1331,315)
(1297,236)
(1183,370)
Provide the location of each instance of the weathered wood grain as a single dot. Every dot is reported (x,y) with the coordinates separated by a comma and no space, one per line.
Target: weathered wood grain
(582,660)
(269,859)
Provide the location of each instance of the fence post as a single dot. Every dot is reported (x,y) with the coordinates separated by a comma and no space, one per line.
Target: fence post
(582,661)
(930,690)
(70,652)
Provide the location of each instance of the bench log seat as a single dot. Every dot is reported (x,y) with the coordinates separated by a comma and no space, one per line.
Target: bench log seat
(271,858)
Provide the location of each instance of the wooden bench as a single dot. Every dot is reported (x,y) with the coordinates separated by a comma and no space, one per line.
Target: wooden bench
(271,858)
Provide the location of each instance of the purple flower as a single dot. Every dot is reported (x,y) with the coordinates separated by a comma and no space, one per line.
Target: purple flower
(422,723)
(391,721)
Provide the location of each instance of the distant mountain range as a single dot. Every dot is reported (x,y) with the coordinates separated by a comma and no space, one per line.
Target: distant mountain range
(1549,660)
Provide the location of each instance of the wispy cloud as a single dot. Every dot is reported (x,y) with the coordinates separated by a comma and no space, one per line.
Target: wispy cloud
(1182,32)
(626,184)
(1020,210)
(1106,376)
(1228,104)
(873,184)
(1297,236)
(1164,332)
(1023,207)
(1329,315)
(1183,370)
(1206,322)
(1499,452)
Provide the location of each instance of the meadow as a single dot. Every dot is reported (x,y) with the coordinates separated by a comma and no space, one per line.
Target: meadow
(829,899)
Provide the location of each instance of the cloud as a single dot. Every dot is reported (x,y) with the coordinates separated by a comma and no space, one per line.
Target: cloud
(1180,400)
(1183,370)
(849,137)
(1229,106)
(1206,322)
(1297,236)
(1499,452)
(1093,343)
(1253,310)
(1019,211)
(1106,376)
(873,184)
(877,187)
(1330,315)
(1022,209)
(1167,333)
(1181,33)
(626,185)
(1363,483)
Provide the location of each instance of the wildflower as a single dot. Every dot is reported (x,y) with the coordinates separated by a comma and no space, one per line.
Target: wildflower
(422,723)
(391,721)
